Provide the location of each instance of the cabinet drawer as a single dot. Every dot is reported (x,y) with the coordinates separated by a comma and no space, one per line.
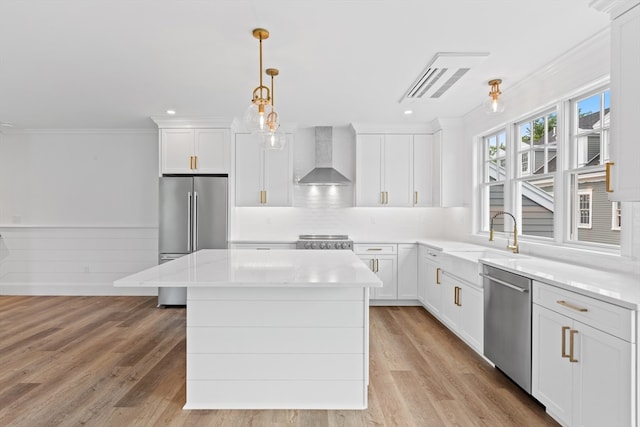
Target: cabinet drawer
(386,248)
(610,318)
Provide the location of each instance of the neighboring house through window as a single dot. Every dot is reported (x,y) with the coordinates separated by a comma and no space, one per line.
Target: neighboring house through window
(584,208)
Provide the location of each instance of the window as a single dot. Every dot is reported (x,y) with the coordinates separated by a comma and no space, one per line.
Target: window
(494,174)
(563,149)
(535,185)
(584,208)
(616,216)
(592,216)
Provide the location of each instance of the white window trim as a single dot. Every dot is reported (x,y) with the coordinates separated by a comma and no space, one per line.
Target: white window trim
(615,207)
(589,192)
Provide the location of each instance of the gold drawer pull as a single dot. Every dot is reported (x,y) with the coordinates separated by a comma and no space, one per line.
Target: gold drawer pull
(438,276)
(572,333)
(564,341)
(607,177)
(571,306)
(374,249)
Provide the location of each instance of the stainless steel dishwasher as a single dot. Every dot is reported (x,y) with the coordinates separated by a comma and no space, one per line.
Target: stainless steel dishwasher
(507,323)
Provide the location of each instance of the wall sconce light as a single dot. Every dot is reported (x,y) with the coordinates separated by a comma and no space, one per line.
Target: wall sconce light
(494,104)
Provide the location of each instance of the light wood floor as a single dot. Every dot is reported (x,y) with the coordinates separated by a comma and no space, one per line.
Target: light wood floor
(120,361)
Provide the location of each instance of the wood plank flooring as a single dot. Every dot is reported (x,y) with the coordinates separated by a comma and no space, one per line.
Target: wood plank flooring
(120,361)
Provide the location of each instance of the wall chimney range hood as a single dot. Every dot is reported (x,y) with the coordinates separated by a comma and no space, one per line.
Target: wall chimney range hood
(324,173)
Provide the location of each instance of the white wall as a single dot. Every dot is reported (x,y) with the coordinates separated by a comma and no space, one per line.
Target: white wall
(78,209)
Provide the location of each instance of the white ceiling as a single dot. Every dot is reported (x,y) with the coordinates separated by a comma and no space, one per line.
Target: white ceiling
(113,64)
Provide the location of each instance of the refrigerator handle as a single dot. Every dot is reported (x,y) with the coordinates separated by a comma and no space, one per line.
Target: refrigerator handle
(189,221)
(195,221)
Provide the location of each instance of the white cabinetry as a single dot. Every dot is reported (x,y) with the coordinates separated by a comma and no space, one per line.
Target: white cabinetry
(462,309)
(625,106)
(407,271)
(583,358)
(384,170)
(262,177)
(382,260)
(423,160)
(429,280)
(451,163)
(194,151)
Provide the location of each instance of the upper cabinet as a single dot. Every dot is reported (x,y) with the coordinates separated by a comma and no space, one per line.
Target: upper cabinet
(262,177)
(194,151)
(384,170)
(423,170)
(190,145)
(624,182)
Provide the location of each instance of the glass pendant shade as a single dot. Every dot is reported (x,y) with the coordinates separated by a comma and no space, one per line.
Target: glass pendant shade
(255,118)
(274,141)
(493,106)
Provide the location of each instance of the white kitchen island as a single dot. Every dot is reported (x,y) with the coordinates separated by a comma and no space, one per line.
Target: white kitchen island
(278,329)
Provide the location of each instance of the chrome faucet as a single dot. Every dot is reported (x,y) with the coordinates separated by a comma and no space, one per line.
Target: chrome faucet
(513,247)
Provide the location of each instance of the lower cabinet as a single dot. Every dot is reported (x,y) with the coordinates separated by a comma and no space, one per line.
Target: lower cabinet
(462,309)
(429,281)
(407,271)
(582,374)
(382,259)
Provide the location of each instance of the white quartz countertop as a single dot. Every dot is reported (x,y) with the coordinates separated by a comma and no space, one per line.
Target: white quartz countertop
(251,268)
(616,288)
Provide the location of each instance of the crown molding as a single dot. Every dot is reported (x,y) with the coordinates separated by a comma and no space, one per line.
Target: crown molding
(191,122)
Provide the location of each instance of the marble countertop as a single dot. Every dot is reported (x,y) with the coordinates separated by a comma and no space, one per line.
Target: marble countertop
(250,268)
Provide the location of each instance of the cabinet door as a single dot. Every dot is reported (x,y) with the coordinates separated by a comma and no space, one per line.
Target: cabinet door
(433,286)
(398,170)
(471,305)
(625,107)
(278,176)
(407,271)
(602,378)
(212,151)
(450,310)
(249,170)
(369,170)
(551,381)
(422,170)
(386,269)
(177,149)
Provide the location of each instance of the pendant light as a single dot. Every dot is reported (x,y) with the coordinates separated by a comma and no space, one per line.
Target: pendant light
(255,118)
(273,139)
(494,104)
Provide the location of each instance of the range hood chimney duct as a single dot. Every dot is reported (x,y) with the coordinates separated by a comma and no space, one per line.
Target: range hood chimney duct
(324,173)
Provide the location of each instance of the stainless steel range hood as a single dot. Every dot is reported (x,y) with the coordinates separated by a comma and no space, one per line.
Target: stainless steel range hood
(324,173)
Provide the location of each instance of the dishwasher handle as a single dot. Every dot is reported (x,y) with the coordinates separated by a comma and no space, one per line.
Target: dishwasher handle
(503,283)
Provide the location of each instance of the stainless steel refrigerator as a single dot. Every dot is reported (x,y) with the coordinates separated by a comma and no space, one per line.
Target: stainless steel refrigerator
(193,215)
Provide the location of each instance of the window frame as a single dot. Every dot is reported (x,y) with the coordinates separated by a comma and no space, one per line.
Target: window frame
(580,209)
(616,216)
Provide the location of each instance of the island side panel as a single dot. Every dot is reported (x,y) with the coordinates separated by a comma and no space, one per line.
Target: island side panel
(277,348)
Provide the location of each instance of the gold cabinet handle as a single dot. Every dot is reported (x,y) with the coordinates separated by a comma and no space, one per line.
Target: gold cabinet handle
(438,276)
(374,249)
(455,295)
(386,197)
(607,178)
(382,197)
(191,162)
(265,197)
(459,301)
(371,265)
(564,341)
(571,306)
(415,198)
(377,265)
(572,334)
(195,162)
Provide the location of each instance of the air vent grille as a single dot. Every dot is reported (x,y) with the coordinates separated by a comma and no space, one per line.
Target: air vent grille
(444,70)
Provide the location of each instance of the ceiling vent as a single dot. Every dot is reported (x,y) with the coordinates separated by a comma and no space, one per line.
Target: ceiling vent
(444,70)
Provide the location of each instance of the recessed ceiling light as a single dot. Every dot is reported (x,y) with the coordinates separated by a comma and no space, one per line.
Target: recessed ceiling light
(171,112)
(407,112)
